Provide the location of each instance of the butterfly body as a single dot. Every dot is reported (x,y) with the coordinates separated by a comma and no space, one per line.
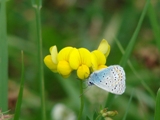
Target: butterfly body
(111,79)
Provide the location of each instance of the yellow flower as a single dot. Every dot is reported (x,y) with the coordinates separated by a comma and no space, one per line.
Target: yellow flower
(51,60)
(58,62)
(63,66)
(50,64)
(83,72)
(98,60)
(53,51)
(80,60)
(100,55)
(104,47)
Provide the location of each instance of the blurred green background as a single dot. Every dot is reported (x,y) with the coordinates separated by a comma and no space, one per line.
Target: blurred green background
(82,23)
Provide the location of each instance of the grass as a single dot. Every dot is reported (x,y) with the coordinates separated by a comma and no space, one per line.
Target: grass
(79,25)
(37,4)
(154,24)
(20,95)
(3,58)
(131,44)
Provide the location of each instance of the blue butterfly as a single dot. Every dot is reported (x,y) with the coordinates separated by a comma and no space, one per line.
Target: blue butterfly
(111,79)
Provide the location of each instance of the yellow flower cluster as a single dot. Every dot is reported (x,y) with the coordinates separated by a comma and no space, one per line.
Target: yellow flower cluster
(80,59)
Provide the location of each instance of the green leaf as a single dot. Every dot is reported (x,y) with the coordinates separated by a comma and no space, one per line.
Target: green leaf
(19,101)
(154,24)
(157,109)
(3,58)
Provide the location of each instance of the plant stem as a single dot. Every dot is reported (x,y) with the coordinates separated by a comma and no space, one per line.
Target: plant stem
(82,101)
(40,57)
(37,4)
(3,58)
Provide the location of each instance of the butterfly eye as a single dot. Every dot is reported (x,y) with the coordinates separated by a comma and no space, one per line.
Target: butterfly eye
(90,83)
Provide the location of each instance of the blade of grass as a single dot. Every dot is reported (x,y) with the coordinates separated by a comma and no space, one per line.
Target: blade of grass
(154,24)
(3,58)
(135,72)
(157,109)
(129,102)
(37,5)
(130,46)
(20,95)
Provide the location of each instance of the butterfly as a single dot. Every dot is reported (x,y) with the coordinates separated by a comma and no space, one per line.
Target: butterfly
(111,79)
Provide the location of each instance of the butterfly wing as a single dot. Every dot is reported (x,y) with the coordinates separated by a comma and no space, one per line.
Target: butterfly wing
(111,79)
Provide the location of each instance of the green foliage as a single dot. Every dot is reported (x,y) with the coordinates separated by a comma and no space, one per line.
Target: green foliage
(132,42)
(20,95)
(80,24)
(155,24)
(3,58)
(37,4)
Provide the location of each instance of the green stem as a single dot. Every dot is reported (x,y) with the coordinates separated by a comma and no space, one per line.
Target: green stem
(3,58)
(82,101)
(41,74)
(37,4)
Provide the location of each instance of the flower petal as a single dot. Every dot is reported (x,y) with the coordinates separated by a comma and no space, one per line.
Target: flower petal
(85,56)
(104,47)
(83,72)
(101,67)
(64,68)
(94,61)
(75,59)
(49,63)
(98,59)
(64,53)
(54,53)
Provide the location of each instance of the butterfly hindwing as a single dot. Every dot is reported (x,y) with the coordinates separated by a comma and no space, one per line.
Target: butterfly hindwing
(111,79)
